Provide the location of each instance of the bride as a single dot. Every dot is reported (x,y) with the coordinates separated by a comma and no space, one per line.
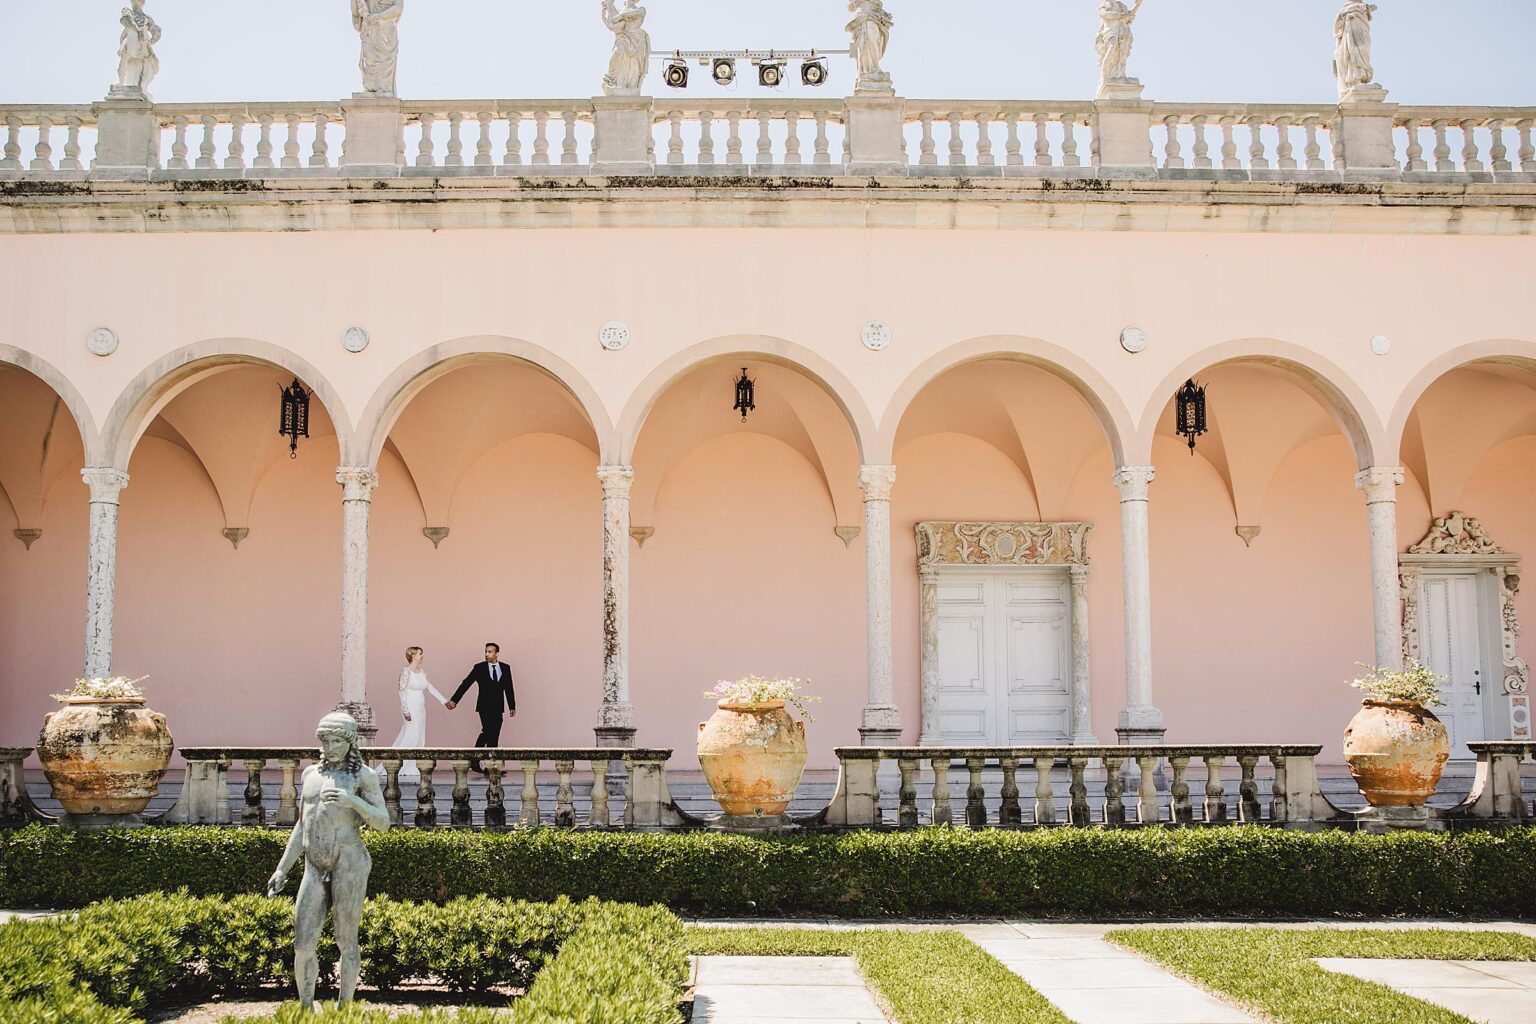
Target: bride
(414,687)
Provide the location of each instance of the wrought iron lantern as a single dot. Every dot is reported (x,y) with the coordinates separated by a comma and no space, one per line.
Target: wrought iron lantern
(294,421)
(746,389)
(1189,411)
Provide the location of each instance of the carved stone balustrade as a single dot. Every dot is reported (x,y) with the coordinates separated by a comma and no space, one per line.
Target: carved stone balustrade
(16,807)
(1498,792)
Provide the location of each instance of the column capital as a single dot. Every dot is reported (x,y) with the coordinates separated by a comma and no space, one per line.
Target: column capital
(106,484)
(1380,483)
(616,480)
(356,484)
(1078,572)
(1133,482)
(877,481)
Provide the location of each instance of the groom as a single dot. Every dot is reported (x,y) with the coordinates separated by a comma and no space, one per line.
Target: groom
(495,685)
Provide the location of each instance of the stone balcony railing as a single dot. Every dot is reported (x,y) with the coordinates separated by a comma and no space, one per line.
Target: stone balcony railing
(1008,787)
(1118,138)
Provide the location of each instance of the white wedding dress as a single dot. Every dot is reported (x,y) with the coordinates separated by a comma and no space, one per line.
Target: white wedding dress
(414,687)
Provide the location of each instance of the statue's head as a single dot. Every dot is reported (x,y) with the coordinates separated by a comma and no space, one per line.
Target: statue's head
(337,733)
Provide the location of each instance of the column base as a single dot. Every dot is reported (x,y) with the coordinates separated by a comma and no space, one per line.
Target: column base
(1141,736)
(881,726)
(616,737)
(877,737)
(362,712)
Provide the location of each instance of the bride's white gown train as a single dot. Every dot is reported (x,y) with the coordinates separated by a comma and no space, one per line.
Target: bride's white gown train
(414,687)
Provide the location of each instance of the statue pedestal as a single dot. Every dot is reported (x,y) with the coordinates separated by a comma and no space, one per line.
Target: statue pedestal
(1365,132)
(127,136)
(874,134)
(1125,130)
(371,147)
(622,135)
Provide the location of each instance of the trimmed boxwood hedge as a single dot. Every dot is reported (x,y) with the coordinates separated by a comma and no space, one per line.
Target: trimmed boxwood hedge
(1236,871)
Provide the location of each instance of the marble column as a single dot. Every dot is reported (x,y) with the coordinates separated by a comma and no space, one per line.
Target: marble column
(1082,702)
(616,718)
(928,634)
(1140,720)
(356,496)
(101,568)
(881,724)
(1380,485)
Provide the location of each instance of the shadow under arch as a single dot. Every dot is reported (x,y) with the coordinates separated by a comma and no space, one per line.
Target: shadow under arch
(1102,400)
(160,382)
(772,350)
(50,375)
(431,364)
(1504,352)
(1332,388)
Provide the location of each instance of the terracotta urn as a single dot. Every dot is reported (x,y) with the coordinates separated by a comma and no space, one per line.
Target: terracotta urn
(1396,750)
(104,757)
(752,755)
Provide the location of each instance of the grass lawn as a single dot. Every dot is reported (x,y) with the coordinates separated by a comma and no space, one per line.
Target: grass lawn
(1271,970)
(922,977)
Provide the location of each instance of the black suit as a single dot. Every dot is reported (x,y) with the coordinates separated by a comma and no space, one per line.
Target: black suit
(488,700)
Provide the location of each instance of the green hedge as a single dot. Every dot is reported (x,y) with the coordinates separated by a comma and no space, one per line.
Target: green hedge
(1248,870)
(605,962)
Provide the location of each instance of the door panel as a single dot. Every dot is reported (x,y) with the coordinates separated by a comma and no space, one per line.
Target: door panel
(966,673)
(1450,644)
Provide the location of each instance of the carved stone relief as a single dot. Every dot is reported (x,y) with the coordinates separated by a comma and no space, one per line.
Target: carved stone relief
(1456,534)
(1002,543)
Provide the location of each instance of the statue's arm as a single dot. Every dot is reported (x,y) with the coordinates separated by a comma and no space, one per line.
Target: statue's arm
(370,801)
(293,851)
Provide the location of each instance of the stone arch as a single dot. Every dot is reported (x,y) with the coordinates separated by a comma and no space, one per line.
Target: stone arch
(1322,380)
(412,376)
(1102,400)
(757,347)
(1508,352)
(171,374)
(45,371)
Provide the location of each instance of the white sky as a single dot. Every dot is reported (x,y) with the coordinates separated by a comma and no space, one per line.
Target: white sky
(1426,51)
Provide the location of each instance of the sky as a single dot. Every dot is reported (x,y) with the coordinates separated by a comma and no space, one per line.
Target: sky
(1426,51)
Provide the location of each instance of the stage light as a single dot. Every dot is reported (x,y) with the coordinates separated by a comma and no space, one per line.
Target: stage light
(676,73)
(770,73)
(724,70)
(813,72)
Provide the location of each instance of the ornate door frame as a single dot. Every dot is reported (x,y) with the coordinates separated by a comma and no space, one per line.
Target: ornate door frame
(1003,544)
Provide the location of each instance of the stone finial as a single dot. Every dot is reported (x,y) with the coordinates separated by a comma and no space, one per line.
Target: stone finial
(137,64)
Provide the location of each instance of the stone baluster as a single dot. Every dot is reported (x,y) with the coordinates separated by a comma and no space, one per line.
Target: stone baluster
(1014,146)
(792,139)
(461,816)
(541,138)
(1202,148)
(1443,161)
(1229,161)
(1415,150)
(927,155)
(568,143)
(264,142)
(12,161)
(1146,792)
(1527,152)
(1279,809)
(455,156)
(1080,815)
(253,813)
(1336,135)
(1312,150)
(706,138)
(823,155)
(513,155)
(733,155)
(1069,157)
(101,568)
(42,153)
(1045,795)
(1042,141)
(1215,792)
(975,794)
(1179,810)
(764,140)
(71,161)
(1248,790)
(1498,154)
(984,157)
(291,142)
(205,150)
(1009,813)
(1469,155)
(483,140)
(1284,154)
(426,795)
(288,791)
(1172,153)
(675,140)
(234,156)
(391,792)
(424,154)
(320,152)
(956,140)
(178,161)
(495,796)
(942,815)
(529,814)
(600,815)
(906,813)
(565,797)
(1114,804)
(1257,158)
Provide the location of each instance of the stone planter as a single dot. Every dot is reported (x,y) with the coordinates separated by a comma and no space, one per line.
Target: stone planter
(104,758)
(752,755)
(1396,751)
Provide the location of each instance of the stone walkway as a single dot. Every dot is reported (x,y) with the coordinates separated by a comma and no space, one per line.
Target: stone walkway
(1490,993)
(755,989)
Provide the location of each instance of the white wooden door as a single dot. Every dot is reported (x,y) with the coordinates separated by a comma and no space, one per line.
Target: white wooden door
(1449,643)
(1005,658)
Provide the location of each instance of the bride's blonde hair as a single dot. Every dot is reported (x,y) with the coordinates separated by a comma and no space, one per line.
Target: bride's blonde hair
(410,651)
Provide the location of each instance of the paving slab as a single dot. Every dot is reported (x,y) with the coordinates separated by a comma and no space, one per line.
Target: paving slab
(757,989)
(1480,990)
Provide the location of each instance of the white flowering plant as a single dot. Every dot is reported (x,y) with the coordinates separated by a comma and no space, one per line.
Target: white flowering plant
(758,689)
(1413,682)
(105,688)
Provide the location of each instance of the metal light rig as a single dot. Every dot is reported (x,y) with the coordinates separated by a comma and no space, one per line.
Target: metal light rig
(1189,411)
(294,418)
